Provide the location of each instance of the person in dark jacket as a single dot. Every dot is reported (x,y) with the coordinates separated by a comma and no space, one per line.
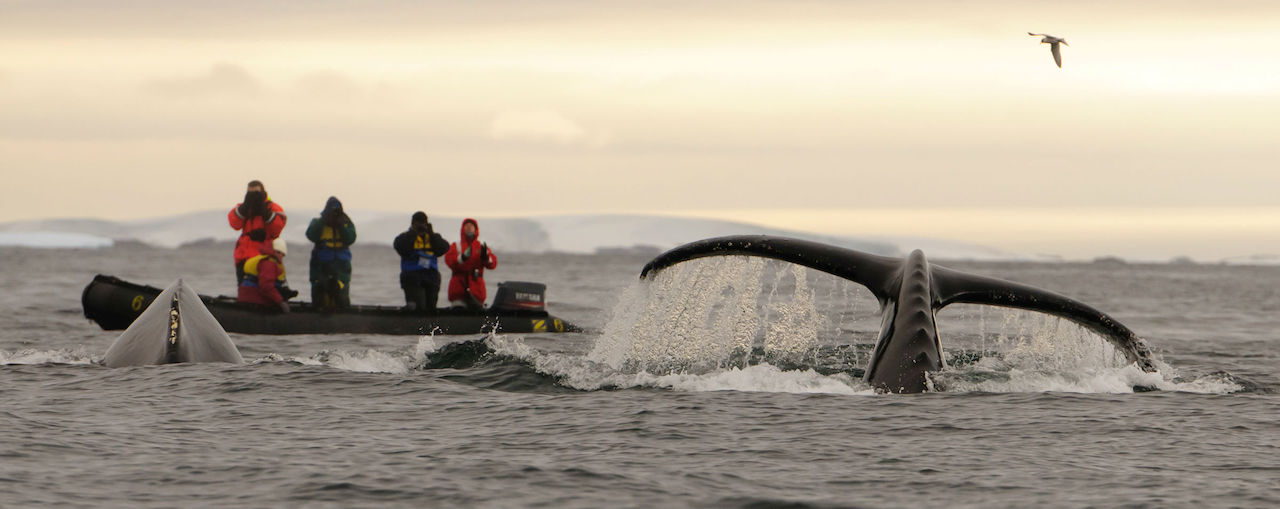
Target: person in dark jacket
(332,234)
(264,278)
(260,222)
(420,248)
(468,259)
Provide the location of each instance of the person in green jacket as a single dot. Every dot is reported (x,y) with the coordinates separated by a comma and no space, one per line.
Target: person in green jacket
(332,234)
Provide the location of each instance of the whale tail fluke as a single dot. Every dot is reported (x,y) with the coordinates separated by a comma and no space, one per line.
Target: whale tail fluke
(176,327)
(910,291)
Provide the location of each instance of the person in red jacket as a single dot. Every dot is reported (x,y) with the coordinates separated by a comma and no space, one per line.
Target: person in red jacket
(260,222)
(468,258)
(264,278)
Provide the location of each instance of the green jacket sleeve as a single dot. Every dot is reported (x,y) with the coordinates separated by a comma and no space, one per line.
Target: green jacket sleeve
(316,229)
(348,232)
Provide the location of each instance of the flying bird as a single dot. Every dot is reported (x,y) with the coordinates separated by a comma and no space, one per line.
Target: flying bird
(1053,46)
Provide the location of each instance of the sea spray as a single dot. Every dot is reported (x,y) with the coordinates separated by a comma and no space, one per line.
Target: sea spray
(1023,339)
(795,330)
(706,315)
(665,323)
(1026,351)
(424,347)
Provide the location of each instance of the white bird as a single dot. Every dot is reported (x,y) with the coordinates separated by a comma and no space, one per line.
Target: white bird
(1053,46)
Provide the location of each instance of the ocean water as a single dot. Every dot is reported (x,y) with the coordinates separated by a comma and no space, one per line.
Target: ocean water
(728,382)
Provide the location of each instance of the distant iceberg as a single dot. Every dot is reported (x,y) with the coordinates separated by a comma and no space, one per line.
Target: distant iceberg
(1257,259)
(53,240)
(599,233)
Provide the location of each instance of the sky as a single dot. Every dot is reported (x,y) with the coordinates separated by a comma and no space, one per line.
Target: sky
(1157,137)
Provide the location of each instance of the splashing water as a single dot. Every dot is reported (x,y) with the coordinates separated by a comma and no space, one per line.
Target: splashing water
(1028,340)
(695,325)
(795,331)
(368,360)
(704,315)
(1029,352)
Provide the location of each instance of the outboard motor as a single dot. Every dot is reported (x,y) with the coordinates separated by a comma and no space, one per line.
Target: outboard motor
(520,295)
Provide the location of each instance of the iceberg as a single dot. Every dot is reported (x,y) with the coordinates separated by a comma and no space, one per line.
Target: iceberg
(54,240)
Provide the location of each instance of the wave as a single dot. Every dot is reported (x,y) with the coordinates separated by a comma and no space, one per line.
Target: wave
(77,355)
(762,374)
(1109,380)
(507,363)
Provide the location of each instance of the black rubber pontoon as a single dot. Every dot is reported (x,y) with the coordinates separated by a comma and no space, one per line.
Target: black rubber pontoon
(114,304)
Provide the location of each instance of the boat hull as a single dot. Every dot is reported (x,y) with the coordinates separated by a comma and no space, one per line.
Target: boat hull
(114,304)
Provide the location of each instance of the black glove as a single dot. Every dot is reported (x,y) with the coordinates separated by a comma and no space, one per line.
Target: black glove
(484,253)
(258,235)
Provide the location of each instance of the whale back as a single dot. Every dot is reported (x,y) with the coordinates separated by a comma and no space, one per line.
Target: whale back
(176,327)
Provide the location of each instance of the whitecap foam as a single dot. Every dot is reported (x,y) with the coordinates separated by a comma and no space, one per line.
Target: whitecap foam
(62,356)
(365,361)
(585,374)
(1217,383)
(1102,380)
(757,378)
(425,346)
(572,371)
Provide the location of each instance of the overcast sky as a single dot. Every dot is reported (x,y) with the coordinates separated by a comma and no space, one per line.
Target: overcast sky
(1157,137)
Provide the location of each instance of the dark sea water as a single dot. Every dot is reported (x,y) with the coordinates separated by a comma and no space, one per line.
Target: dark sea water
(723,383)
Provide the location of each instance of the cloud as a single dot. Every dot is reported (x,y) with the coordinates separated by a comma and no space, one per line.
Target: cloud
(541,126)
(223,79)
(327,84)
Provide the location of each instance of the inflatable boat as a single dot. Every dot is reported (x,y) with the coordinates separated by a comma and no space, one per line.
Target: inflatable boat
(519,307)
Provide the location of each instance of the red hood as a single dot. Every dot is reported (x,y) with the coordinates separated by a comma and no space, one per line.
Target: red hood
(462,229)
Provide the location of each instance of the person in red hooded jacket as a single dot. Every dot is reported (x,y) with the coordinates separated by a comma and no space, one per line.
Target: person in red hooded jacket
(260,222)
(264,278)
(468,259)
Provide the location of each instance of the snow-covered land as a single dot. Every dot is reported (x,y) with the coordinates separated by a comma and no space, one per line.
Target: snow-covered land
(53,240)
(1257,259)
(574,234)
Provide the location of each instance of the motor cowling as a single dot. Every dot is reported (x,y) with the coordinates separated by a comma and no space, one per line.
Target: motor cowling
(520,295)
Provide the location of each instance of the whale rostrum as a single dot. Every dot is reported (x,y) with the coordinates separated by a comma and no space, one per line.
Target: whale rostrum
(176,327)
(910,291)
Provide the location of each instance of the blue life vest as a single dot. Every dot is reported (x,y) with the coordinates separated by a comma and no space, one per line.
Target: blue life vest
(425,259)
(331,247)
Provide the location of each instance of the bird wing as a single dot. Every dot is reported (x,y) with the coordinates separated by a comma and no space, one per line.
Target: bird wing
(1057,54)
